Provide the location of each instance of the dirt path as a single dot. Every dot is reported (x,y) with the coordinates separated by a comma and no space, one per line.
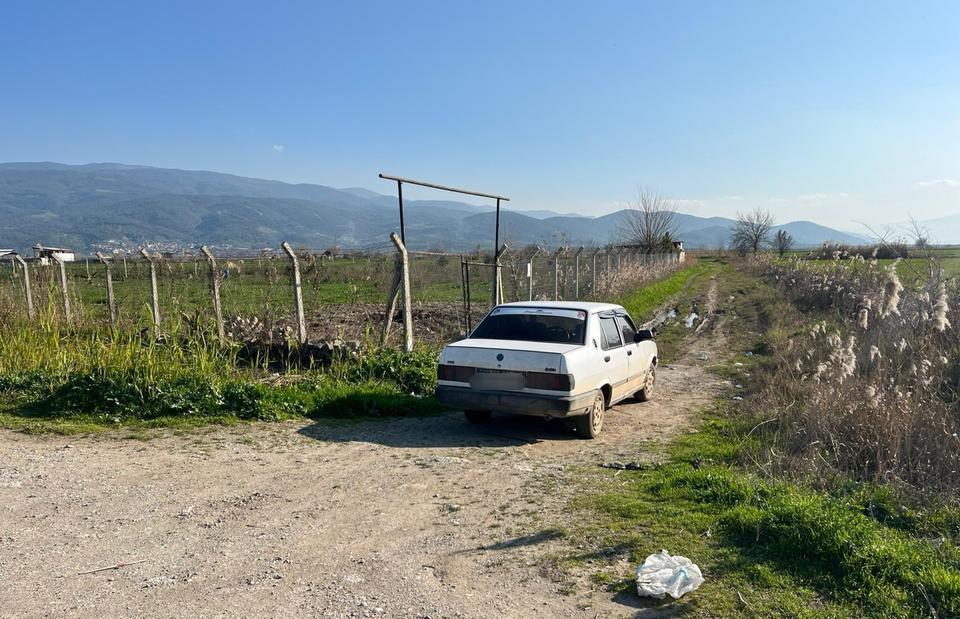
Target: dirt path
(406,518)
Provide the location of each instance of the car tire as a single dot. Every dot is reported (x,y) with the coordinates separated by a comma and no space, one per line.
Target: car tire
(477,417)
(591,424)
(646,394)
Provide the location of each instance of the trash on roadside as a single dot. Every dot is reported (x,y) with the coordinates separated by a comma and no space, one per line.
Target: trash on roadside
(662,573)
(692,318)
(624,466)
(703,356)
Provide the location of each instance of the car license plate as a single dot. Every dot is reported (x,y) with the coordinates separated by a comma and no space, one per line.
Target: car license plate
(498,380)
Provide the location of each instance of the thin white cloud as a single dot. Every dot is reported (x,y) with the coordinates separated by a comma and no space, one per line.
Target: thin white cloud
(278,148)
(940,182)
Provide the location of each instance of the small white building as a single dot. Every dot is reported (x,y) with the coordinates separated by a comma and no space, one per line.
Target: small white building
(46,255)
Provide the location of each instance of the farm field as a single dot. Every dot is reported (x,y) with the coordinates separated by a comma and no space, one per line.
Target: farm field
(342,297)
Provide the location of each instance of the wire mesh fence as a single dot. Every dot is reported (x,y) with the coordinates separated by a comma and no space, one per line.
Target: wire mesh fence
(344,294)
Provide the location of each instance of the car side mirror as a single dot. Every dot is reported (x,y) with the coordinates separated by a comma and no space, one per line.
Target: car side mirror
(643,335)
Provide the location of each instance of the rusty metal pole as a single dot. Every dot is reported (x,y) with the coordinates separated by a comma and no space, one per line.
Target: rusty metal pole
(154,294)
(297,294)
(214,290)
(111,302)
(403,237)
(496,258)
(27,293)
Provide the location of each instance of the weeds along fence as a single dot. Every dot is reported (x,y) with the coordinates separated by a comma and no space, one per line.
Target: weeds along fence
(255,295)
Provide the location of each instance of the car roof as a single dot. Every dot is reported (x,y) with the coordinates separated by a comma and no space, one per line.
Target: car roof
(574,305)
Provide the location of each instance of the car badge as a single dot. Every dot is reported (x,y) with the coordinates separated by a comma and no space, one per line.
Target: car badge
(500,356)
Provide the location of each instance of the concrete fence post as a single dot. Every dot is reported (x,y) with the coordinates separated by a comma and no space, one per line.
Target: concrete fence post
(556,274)
(593,272)
(498,278)
(297,293)
(214,290)
(64,291)
(27,292)
(401,285)
(530,267)
(154,294)
(576,274)
(111,301)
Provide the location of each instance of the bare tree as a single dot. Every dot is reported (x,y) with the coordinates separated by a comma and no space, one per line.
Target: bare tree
(650,223)
(751,231)
(783,242)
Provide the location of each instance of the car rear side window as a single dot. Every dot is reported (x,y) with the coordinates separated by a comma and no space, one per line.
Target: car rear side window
(627,330)
(610,332)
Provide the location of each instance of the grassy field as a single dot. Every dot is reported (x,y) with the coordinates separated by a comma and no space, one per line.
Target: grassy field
(914,268)
(261,287)
(81,376)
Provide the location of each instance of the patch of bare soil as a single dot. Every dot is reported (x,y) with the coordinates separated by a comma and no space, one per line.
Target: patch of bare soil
(427,517)
(434,322)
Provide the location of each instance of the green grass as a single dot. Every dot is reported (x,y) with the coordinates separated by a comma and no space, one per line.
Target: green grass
(60,379)
(768,546)
(787,550)
(643,302)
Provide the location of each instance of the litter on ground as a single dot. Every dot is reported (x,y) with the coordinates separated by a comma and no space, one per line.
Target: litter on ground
(662,573)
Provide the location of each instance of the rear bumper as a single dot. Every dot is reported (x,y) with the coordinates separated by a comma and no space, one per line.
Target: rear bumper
(465,398)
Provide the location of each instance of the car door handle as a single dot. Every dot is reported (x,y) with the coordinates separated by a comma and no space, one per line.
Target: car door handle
(607,358)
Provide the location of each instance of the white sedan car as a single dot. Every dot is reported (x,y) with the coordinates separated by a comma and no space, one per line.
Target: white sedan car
(551,359)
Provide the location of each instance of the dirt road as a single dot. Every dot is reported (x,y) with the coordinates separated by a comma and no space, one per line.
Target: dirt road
(424,517)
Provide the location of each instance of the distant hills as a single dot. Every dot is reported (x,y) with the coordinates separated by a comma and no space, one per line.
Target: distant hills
(96,205)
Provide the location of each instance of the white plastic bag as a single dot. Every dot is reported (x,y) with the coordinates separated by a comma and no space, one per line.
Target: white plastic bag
(661,574)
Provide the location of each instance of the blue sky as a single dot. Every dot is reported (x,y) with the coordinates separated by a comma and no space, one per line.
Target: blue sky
(836,112)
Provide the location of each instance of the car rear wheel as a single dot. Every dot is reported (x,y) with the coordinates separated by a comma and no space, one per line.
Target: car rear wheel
(590,425)
(477,416)
(646,393)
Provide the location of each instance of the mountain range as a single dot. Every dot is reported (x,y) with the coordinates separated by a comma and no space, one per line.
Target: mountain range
(109,204)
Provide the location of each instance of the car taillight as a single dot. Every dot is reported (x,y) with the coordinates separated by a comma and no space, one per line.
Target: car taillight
(455,373)
(551,382)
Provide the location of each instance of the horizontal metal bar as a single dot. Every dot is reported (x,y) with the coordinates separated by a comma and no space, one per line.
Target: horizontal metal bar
(441,187)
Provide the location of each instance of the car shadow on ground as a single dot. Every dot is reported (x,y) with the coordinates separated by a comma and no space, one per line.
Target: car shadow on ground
(449,429)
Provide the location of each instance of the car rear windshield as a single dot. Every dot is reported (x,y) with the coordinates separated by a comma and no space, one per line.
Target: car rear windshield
(526,324)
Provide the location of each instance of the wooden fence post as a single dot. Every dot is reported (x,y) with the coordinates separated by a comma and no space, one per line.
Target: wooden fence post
(64,291)
(111,303)
(297,294)
(214,289)
(154,295)
(27,293)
